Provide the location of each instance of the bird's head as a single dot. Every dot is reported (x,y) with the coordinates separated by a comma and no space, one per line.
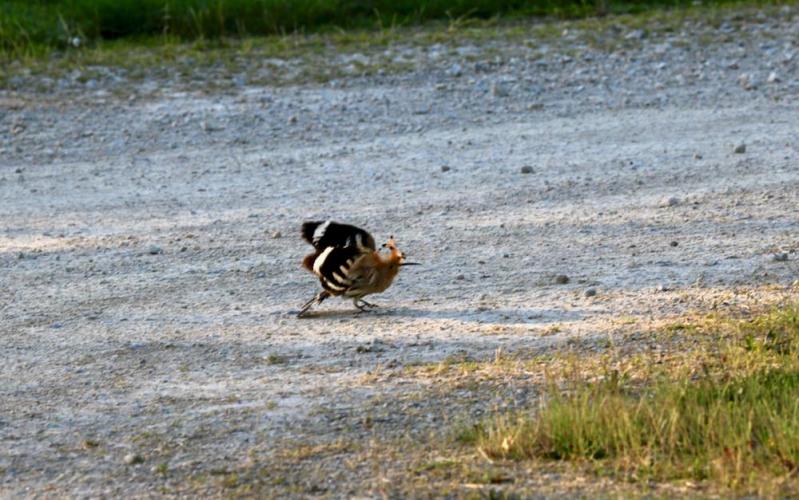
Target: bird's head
(396,254)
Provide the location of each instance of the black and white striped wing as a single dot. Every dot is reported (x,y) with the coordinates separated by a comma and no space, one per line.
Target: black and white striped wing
(333,267)
(324,234)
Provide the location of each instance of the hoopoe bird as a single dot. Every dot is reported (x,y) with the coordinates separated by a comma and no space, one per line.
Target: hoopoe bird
(348,263)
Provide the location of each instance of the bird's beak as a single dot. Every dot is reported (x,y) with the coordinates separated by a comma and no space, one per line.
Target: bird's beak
(410,264)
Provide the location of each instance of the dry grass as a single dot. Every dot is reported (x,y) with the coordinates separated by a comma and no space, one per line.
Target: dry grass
(718,403)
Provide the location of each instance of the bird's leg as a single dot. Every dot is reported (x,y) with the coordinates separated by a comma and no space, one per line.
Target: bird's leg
(318,298)
(362,305)
(369,304)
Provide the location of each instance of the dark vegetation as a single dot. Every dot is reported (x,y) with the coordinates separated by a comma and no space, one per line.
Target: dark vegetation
(29,24)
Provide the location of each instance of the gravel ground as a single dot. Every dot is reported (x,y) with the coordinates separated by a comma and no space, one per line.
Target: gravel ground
(554,190)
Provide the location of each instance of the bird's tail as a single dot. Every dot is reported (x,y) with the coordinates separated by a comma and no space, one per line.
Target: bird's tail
(308,229)
(323,234)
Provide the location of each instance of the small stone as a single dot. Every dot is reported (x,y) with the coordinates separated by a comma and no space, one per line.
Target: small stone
(740,149)
(590,292)
(527,169)
(292,119)
(17,170)
(747,81)
(561,279)
(673,244)
(635,35)
(773,77)
(663,288)
(132,459)
(155,250)
(697,156)
(460,277)
(780,257)
(445,168)
(498,90)
(455,70)
(672,201)
(21,255)
(276,235)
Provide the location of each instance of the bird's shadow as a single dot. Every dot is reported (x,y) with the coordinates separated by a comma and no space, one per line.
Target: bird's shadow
(476,314)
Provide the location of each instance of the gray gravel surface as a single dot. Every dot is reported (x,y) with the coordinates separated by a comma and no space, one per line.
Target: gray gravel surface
(149,246)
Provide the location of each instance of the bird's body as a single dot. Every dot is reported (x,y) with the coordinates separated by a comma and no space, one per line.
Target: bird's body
(347,262)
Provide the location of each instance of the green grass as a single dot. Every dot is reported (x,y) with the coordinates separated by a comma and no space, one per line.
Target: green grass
(30,25)
(42,62)
(725,413)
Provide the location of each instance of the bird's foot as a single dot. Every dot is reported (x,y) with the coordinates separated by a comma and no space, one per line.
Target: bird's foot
(364,306)
(318,299)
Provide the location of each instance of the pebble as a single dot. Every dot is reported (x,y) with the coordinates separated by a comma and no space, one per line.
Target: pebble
(590,292)
(561,279)
(663,288)
(277,234)
(455,70)
(292,119)
(672,201)
(155,250)
(635,35)
(747,81)
(132,459)
(209,127)
(527,169)
(460,277)
(445,168)
(498,90)
(673,244)
(780,257)
(740,149)
(773,77)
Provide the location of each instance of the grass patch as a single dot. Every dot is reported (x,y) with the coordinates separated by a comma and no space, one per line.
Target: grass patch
(30,25)
(63,23)
(724,412)
(291,56)
(303,451)
(275,359)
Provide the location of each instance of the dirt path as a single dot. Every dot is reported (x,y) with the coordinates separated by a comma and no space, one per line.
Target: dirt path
(149,255)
